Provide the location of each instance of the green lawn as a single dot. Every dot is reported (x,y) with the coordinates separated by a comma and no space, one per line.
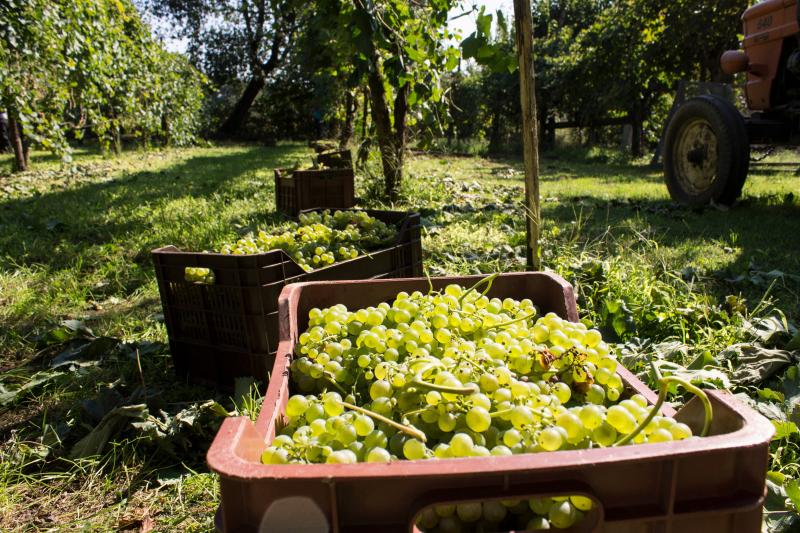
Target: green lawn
(75,243)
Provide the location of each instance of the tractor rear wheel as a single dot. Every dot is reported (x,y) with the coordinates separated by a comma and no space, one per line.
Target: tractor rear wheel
(706,152)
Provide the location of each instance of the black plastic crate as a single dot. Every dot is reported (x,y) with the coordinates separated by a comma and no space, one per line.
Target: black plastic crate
(229,328)
(298,190)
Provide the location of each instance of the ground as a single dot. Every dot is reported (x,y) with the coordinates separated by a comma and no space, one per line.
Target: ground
(96,434)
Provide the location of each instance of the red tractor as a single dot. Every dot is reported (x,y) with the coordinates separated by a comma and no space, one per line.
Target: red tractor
(707,143)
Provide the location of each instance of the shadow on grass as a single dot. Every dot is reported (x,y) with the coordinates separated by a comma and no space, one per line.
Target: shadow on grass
(760,234)
(53,228)
(753,243)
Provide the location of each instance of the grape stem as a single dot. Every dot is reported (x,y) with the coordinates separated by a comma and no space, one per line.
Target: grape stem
(329,377)
(409,430)
(487,280)
(463,391)
(662,397)
(508,323)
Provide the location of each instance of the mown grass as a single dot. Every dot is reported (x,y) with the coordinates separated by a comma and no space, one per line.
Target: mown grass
(75,243)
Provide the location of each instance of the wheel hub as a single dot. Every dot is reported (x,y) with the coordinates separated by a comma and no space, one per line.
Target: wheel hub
(695,156)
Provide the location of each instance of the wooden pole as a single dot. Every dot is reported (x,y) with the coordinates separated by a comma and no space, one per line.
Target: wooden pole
(530,134)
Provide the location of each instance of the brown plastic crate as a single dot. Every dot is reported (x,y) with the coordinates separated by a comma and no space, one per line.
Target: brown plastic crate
(229,329)
(297,190)
(710,485)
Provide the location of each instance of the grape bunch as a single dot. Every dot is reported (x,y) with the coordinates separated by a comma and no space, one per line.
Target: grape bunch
(504,515)
(318,240)
(453,374)
(199,275)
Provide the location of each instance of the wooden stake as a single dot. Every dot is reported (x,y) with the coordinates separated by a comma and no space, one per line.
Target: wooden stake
(530,133)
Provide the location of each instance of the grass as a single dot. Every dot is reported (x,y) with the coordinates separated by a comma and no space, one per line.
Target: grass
(74,245)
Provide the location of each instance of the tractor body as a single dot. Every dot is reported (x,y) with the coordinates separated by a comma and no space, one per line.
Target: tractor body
(707,141)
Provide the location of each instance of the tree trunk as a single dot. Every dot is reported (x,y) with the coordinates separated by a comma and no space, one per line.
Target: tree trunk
(350,105)
(26,152)
(238,116)
(381,116)
(636,138)
(116,137)
(495,140)
(400,136)
(20,151)
(390,142)
(550,133)
(165,127)
(366,115)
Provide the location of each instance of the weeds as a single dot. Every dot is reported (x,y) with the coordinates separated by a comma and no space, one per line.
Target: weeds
(95,432)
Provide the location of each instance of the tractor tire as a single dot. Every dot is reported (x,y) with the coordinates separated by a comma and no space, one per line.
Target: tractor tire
(706,152)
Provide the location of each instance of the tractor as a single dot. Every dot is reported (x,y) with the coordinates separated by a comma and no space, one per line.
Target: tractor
(706,150)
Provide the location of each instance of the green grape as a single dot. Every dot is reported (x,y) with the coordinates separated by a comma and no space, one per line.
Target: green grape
(494,511)
(296,406)
(596,394)
(604,435)
(470,511)
(427,519)
(446,422)
(478,419)
(314,412)
(562,514)
(512,437)
(342,457)
(376,439)
(480,451)
(380,389)
(613,394)
(450,524)
(572,424)
(445,510)
(332,403)
(537,523)
(414,449)
(540,506)
(378,455)
(582,503)
(433,398)
(550,439)
(501,450)
(680,431)
(311,242)
(621,419)
(442,451)
(591,416)
(660,435)
(562,392)
(461,445)
(521,416)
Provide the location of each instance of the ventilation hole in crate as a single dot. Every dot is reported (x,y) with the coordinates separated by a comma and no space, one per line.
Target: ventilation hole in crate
(224,299)
(191,325)
(184,294)
(229,330)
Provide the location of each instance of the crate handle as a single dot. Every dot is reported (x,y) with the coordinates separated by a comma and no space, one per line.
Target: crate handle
(199,275)
(489,493)
(294,514)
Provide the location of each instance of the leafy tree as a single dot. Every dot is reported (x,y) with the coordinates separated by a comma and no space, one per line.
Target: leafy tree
(236,39)
(72,66)
(597,59)
(397,47)
(636,51)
